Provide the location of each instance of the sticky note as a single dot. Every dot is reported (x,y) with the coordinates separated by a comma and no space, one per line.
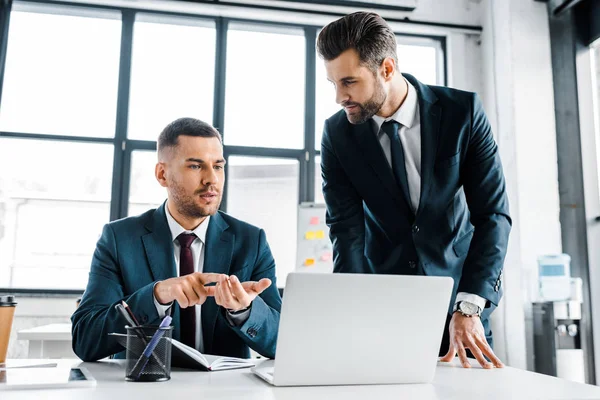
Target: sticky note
(310,235)
(309,262)
(320,234)
(326,257)
(314,221)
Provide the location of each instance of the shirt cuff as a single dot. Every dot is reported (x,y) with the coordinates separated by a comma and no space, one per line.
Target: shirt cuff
(239,318)
(160,308)
(471,298)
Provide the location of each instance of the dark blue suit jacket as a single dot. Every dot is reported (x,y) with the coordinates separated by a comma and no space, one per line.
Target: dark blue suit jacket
(134,253)
(462,224)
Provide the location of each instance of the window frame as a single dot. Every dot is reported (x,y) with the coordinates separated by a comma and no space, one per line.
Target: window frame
(124,147)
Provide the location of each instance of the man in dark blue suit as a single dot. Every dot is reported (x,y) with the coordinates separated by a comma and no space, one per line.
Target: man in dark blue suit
(412,180)
(162,260)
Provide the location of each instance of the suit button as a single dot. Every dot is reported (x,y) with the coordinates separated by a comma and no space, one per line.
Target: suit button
(415,229)
(251,332)
(412,264)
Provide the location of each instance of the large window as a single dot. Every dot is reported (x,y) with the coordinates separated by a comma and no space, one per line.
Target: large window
(264,102)
(61,72)
(173,71)
(87,91)
(54,199)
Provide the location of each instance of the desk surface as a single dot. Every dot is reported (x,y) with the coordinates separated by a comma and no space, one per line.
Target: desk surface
(451,382)
(46,332)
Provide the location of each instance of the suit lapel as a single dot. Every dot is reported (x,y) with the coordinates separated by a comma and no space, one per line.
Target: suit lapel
(158,245)
(368,142)
(430,115)
(218,254)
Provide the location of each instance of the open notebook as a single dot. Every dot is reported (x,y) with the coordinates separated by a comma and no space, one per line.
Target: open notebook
(184,356)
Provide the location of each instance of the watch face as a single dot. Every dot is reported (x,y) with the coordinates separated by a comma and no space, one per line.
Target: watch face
(468,308)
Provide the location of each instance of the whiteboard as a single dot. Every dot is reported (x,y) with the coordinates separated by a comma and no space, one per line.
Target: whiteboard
(314,252)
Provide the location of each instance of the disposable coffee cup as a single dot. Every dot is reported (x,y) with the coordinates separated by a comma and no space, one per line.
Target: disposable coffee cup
(7,313)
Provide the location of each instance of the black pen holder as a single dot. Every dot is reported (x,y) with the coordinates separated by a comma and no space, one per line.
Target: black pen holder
(155,368)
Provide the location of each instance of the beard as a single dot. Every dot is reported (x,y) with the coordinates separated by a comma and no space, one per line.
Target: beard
(369,107)
(186,205)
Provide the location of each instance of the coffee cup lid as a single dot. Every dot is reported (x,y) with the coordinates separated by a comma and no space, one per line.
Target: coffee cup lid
(7,301)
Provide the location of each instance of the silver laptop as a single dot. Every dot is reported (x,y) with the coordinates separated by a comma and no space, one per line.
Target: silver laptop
(345,329)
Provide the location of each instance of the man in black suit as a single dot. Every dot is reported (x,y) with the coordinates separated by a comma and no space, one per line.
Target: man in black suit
(412,180)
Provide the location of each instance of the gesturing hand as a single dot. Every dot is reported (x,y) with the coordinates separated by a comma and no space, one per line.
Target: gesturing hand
(188,290)
(233,295)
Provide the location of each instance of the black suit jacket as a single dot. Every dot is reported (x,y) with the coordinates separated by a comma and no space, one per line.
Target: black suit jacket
(462,225)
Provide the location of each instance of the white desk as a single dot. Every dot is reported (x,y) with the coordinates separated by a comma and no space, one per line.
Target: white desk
(48,341)
(451,382)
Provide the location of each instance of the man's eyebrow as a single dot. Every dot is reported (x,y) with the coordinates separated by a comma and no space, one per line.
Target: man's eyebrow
(200,161)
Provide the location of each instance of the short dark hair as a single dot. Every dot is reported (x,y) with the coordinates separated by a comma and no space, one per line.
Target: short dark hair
(365,32)
(186,127)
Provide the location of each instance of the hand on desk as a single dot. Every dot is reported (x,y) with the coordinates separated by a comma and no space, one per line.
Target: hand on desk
(234,295)
(468,333)
(187,290)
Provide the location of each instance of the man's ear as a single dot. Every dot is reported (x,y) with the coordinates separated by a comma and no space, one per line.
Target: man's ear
(388,67)
(160,172)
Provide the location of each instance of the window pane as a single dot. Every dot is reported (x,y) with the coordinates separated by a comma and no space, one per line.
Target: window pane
(61,74)
(264,192)
(325,105)
(144,190)
(264,101)
(53,204)
(420,60)
(173,73)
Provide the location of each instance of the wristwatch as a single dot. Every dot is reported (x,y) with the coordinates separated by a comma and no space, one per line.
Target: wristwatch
(467,309)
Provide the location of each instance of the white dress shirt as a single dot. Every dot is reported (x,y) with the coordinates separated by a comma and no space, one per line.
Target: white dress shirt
(197,248)
(409,118)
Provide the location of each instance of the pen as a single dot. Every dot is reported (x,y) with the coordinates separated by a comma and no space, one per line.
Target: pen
(128,309)
(125,315)
(139,366)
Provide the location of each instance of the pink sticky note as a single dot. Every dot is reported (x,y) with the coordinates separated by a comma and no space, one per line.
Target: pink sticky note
(314,221)
(326,257)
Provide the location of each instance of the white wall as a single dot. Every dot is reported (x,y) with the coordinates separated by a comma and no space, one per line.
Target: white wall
(589,119)
(517,68)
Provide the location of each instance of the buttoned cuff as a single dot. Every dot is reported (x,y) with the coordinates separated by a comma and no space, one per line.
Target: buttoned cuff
(239,318)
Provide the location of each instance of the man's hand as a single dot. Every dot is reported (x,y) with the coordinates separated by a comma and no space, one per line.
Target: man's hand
(468,333)
(233,295)
(187,290)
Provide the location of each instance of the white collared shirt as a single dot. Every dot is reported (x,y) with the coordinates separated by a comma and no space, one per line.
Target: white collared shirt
(197,248)
(409,118)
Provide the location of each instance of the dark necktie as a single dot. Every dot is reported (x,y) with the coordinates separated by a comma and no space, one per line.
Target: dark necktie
(391,129)
(186,266)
